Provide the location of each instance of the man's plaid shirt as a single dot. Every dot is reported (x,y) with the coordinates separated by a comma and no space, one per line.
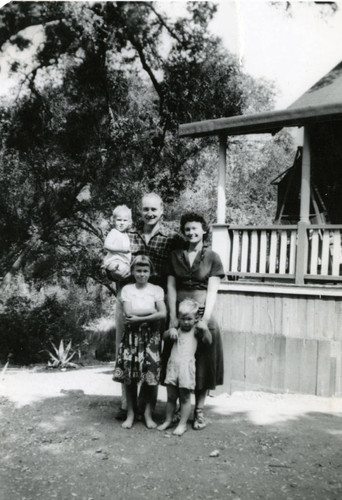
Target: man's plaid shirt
(158,250)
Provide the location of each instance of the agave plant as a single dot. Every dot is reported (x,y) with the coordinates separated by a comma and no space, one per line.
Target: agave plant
(62,356)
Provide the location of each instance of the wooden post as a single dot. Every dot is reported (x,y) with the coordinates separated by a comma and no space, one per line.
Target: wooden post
(302,252)
(221,188)
(306,174)
(302,242)
(220,240)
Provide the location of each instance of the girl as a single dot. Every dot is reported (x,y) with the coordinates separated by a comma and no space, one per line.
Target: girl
(138,358)
(180,373)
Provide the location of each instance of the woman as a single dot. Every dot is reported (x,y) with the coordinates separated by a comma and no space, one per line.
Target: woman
(195,272)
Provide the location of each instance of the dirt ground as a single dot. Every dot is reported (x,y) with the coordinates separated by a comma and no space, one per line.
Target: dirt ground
(60,440)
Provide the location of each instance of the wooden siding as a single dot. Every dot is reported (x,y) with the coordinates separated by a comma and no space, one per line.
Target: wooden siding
(281,343)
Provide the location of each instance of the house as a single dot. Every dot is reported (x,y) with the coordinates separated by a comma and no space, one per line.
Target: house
(280,307)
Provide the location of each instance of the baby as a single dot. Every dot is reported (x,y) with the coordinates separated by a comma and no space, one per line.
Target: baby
(181,371)
(117,260)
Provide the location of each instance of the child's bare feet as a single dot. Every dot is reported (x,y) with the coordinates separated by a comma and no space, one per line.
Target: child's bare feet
(179,430)
(164,426)
(150,423)
(128,423)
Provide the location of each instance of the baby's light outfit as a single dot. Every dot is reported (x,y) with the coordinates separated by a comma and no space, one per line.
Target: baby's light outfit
(181,369)
(117,261)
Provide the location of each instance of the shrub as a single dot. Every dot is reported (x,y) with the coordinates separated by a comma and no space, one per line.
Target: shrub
(61,357)
(28,327)
(100,335)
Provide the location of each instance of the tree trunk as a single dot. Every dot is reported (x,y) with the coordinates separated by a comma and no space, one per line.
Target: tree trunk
(30,245)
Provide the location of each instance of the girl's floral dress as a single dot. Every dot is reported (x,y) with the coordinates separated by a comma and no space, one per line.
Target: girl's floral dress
(138,358)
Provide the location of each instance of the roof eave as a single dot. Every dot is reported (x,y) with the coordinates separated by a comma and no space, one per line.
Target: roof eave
(262,123)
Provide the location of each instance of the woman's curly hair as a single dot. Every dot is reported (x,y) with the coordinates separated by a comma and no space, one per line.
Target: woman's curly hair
(194,217)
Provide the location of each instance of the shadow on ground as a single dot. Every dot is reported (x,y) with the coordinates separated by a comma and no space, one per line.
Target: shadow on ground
(71,446)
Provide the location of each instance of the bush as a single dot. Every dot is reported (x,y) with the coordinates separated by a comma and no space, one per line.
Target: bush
(100,335)
(28,327)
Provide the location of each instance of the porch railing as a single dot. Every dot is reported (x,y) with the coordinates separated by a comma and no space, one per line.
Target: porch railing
(297,253)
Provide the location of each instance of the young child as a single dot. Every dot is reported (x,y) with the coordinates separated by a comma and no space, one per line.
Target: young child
(180,372)
(117,260)
(138,358)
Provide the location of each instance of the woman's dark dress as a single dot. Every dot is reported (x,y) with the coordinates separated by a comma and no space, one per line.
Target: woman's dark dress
(192,281)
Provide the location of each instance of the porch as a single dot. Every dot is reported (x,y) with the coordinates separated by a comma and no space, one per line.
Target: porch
(280,306)
(299,254)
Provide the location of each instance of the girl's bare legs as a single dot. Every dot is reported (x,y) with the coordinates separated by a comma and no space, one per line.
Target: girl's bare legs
(185,402)
(131,395)
(172,395)
(150,423)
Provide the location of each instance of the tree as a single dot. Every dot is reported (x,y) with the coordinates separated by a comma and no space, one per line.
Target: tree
(324,8)
(89,130)
(252,163)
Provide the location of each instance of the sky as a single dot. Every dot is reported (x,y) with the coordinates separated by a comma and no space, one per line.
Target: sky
(292,48)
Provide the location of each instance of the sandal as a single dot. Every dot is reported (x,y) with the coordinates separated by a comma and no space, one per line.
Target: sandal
(199,421)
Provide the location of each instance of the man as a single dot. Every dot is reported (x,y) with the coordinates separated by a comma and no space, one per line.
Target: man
(152,239)
(157,242)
